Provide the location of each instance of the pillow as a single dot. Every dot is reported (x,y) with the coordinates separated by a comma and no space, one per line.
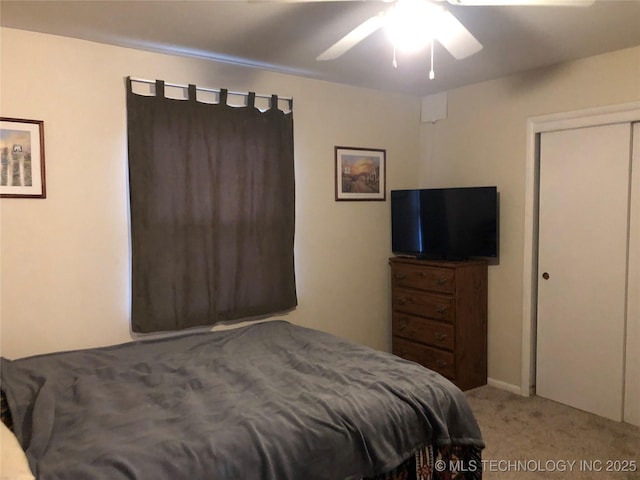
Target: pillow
(13,461)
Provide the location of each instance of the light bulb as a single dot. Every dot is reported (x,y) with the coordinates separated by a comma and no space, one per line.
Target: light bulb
(410,24)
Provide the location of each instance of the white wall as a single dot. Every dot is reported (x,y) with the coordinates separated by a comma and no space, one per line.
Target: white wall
(483,142)
(64,266)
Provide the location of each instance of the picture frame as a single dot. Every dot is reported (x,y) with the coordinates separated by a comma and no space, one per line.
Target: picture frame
(22,171)
(360,174)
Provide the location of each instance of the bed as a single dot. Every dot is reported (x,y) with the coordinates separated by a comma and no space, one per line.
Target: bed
(269,401)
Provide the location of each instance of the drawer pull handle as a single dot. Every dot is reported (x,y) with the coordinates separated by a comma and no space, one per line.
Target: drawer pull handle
(440,336)
(441,363)
(404,300)
(441,309)
(441,281)
(403,325)
(400,276)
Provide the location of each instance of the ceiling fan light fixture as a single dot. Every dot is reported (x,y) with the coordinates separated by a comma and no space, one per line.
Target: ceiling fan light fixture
(410,24)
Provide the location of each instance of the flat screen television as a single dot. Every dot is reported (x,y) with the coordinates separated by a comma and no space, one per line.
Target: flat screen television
(445,223)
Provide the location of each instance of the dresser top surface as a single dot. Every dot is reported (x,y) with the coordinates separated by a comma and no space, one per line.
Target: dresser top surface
(434,263)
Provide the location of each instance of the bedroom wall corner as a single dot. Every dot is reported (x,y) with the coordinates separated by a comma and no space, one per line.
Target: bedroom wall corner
(491,117)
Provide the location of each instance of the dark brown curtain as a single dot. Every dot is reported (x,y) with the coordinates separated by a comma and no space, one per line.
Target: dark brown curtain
(212,210)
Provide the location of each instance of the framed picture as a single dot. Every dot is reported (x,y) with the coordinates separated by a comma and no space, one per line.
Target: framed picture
(22,158)
(360,173)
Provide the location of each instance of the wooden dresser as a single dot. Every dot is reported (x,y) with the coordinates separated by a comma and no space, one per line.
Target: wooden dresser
(440,317)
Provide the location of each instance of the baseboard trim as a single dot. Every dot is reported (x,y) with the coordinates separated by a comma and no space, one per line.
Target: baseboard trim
(505,386)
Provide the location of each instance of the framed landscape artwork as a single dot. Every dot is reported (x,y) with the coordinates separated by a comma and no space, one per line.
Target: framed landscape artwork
(360,173)
(22,158)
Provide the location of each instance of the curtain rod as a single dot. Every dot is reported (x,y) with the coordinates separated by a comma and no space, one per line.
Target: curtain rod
(202,89)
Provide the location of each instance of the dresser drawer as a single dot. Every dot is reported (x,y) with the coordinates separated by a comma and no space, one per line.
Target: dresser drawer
(434,359)
(438,307)
(421,330)
(424,278)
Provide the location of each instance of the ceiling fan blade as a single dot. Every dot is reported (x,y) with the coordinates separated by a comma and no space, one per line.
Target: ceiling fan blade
(352,38)
(455,37)
(515,3)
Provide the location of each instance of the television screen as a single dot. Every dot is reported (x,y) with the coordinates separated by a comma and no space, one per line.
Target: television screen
(445,223)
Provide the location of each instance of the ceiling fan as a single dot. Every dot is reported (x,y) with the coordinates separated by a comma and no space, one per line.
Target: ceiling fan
(414,24)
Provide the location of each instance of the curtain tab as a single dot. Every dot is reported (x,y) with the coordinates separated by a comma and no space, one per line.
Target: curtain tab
(223,96)
(251,99)
(160,88)
(192,93)
(274,102)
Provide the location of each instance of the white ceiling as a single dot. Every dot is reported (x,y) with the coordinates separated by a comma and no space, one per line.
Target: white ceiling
(287,36)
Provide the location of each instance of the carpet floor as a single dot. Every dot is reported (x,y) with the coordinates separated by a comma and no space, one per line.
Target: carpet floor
(536,438)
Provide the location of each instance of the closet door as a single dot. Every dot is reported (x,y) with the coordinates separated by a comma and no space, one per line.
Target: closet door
(632,366)
(582,267)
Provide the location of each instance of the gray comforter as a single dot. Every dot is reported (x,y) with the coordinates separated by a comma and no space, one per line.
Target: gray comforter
(269,401)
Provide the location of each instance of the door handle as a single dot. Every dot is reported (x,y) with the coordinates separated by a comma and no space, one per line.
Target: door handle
(545,275)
